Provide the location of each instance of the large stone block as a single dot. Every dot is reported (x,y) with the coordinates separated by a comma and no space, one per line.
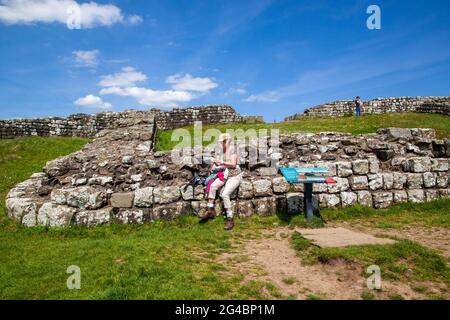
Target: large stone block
(388,181)
(382,200)
(126,216)
(164,195)
(439,164)
(53,215)
(419,164)
(348,198)
(294,203)
(400,196)
(169,211)
(265,206)
(191,193)
(374,165)
(18,208)
(280,185)
(375,181)
(245,208)
(431,194)
(442,180)
(143,197)
(415,181)
(122,199)
(400,180)
(86,198)
(429,179)
(358,182)
(245,190)
(340,185)
(93,217)
(329,200)
(344,169)
(416,196)
(360,166)
(365,198)
(262,188)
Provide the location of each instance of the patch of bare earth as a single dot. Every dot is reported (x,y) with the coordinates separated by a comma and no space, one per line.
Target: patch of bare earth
(272,259)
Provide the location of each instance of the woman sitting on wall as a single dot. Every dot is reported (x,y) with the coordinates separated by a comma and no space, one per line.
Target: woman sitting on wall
(228,162)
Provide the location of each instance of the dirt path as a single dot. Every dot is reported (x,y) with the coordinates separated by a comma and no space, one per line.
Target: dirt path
(272,259)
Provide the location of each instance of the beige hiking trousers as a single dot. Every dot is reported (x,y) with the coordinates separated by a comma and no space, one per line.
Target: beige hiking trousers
(229,185)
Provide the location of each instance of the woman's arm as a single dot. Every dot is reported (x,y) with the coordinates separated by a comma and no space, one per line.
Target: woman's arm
(231,164)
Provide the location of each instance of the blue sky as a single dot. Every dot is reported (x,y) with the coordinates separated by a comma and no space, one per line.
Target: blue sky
(270,58)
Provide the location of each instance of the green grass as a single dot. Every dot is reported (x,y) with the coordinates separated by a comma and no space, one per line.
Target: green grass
(428,214)
(354,125)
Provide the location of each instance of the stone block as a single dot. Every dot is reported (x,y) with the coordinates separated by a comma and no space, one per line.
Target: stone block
(122,199)
(365,198)
(419,164)
(93,217)
(375,181)
(348,198)
(429,179)
(360,166)
(294,203)
(262,188)
(127,216)
(400,180)
(245,190)
(265,206)
(344,169)
(400,196)
(416,196)
(415,181)
(54,215)
(164,195)
(358,182)
(280,185)
(340,185)
(382,200)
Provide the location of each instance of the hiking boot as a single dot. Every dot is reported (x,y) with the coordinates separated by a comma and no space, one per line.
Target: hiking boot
(211,214)
(229,224)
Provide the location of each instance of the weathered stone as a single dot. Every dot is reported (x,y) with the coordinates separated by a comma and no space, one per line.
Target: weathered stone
(122,200)
(388,181)
(59,196)
(189,193)
(400,196)
(429,179)
(152,164)
(165,195)
(265,206)
(329,166)
(375,181)
(58,167)
(320,187)
(415,181)
(344,169)
(400,180)
(280,185)
(348,198)
(329,200)
(442,180)
(262,188)
(385,155)
(419,164)
(360,166)
(245,208)
(431,194)
(382,200)
(358,182)
(396,133)
(53,215)
(127,160)
(245,190)
(100,180)
(18,208)
(126,216)
(169,211)
(340,185)
(143,197)
(416,196)
(294,203)
(86,198)
(199,208)
(439,164)
(93,217)
(444,193)
(374,165)
(365,198)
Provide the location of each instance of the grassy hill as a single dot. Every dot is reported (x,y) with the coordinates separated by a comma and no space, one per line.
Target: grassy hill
(354,125)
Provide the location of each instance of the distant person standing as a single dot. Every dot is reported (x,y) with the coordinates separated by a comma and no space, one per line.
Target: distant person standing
(358,106)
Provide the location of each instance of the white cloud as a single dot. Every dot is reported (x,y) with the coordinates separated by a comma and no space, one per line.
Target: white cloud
(150,97)
(189,83)
(62,11)
(92,102)
(265,97)
(126,78)
(235,91)
(86,58)
(134,19)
